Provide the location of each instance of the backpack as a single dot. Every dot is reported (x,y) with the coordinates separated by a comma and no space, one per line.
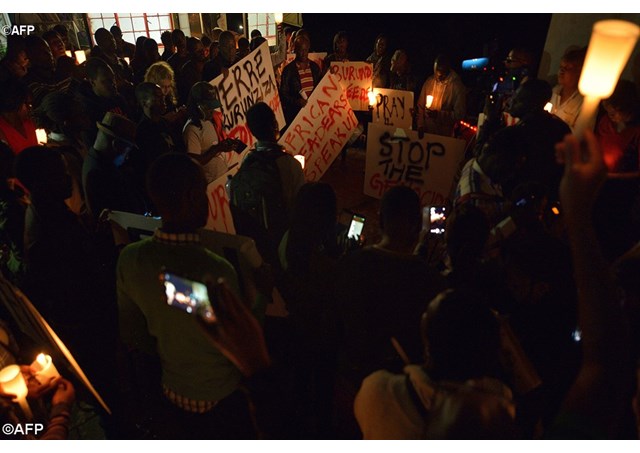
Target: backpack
(257,200)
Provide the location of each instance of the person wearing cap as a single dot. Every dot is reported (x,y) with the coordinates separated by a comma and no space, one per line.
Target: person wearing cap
(107,182)
(200,137)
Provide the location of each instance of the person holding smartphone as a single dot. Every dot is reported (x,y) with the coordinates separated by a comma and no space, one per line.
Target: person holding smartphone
(199,385)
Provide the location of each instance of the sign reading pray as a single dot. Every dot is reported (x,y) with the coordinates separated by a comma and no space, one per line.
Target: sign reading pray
(393,108)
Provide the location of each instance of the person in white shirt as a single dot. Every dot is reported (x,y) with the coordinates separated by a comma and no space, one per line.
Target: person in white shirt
(566,99)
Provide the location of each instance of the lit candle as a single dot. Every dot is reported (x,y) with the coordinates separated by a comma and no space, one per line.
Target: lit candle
(12,382)
(128,60)
(67,53)
(81,56)
(278,17)
(429,101)
(610,47)
(41,136)
(300,158)
(372,98)
(548,107)
(44,368)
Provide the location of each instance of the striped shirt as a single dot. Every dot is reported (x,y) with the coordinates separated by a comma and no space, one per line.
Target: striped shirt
(306,80)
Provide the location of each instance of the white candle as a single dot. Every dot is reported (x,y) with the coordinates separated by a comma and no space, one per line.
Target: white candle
(278,17)
(429,101)
(44,368)
(372,98)
(610,47)
(67,53)
(300,158)
(12,382)
(81,56)
(128,60)
(41,136)
(548,107)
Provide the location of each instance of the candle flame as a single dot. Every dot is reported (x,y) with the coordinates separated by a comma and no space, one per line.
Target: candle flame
(42,359)
(429,101)
(548,107)
(41,136)
(300,158)
(372,97)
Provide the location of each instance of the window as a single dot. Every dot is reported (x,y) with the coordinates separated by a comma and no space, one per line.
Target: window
(133,25)
(266,23)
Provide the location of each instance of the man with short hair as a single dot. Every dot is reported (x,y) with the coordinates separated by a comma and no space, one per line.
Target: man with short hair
(199,384)
(541,131)
(107,184)
(181,56)
(224,60)
(191,71)
(99,95)
(153,136)
(384,288)
(107,50)
(448,103)
(264,189)
(169,47)
(41,77)
(123,48)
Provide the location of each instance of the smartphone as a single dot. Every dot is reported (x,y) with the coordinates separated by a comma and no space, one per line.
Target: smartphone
(437,219)
(187,295)
(355,227)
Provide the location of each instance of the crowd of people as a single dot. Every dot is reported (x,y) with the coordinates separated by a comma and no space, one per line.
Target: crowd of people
(520,322)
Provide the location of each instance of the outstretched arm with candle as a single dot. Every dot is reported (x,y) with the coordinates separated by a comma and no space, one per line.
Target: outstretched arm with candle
(602,389)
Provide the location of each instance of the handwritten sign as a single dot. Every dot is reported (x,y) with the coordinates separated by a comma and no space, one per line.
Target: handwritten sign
(400,157)
(220,218)
(356,77)
(316,57)
(393,108)
(249,81)
(321,128)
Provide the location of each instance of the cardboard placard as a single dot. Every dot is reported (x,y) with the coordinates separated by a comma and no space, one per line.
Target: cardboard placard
(393,108)
(321,128)
(356,77)
(400,157)
(249,81)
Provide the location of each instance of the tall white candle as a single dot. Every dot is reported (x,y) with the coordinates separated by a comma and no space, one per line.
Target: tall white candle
(44,368)
(610,47)
(429,101)
(12,382)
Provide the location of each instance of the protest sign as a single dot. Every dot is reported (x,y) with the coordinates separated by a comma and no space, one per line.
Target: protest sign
(249,81)
(321,128)
(220,218)
(356,77)
(393,108)
(400,157)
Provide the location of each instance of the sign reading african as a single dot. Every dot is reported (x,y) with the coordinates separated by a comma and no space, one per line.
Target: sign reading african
(356,77)
(393,108)
(400,157)
(321,128)
(249,81)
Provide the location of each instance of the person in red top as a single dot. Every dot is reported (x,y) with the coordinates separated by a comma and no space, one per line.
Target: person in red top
(16,128)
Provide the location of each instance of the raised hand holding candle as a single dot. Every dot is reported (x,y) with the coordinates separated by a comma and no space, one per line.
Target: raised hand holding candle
(13,383)
(610,47)
(429,101)
(44,368)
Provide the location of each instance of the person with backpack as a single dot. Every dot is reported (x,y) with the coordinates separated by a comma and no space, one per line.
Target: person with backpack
(264,189)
